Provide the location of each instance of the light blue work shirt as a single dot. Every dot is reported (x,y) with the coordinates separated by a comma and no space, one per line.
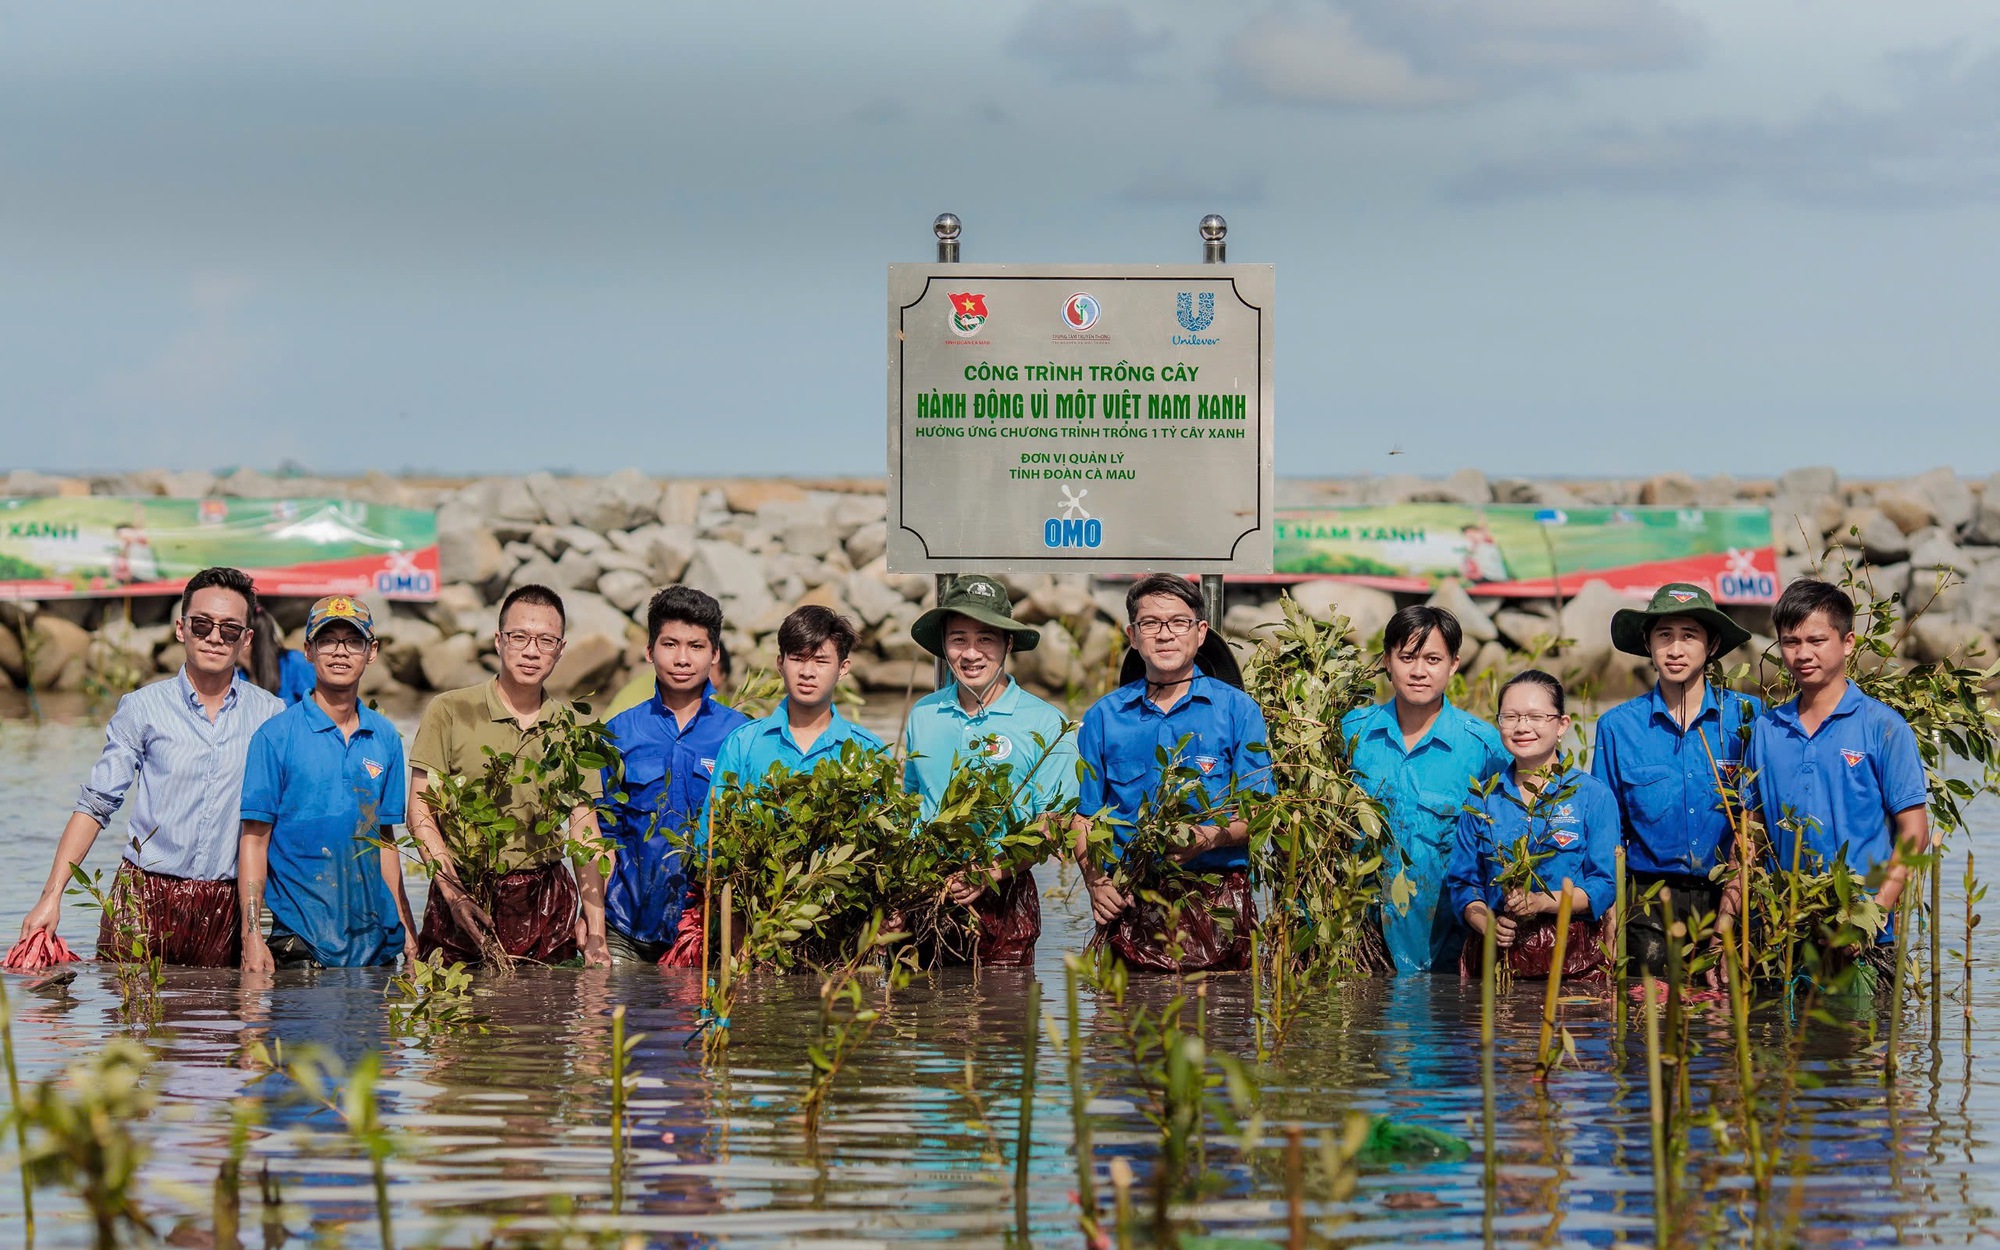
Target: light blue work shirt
(754,749)
(941,737)
(667,771)
(1575,822)
(1671,814)
(1123,733)
(325,796)
(184,773)
(1842,786)
(1423,788)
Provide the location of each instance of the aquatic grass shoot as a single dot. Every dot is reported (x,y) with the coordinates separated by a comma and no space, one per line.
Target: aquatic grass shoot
(80,1135)
(14,1100)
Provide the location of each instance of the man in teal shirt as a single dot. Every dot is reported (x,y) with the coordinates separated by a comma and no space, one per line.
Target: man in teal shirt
(983,719)
(1419,756)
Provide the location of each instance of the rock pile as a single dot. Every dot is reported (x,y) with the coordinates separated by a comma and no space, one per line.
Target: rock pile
(765,546)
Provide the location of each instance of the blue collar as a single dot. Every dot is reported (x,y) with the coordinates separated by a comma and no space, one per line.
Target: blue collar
(704,708)
(1133,694)
(1711,704)
(319,722)
(1382,720)
(191,698)
(1850,703)
(1009,699)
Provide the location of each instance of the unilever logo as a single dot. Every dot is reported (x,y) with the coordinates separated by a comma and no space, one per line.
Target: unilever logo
(1194,313)
(1075,527)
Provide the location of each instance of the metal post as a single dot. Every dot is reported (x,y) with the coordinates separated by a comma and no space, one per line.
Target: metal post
(946,228)
(1214,251)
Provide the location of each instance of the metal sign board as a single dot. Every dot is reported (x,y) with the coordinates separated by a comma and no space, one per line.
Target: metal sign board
(1080,418)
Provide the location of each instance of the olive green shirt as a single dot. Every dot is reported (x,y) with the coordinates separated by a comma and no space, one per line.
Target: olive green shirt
(452,737)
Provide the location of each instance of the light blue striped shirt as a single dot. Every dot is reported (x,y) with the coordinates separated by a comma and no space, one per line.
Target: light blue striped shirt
(188,807)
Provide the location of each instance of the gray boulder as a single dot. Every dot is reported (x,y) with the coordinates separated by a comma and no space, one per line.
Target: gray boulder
(552,497)
(513,501)
(1810,482)
(452,663)
(872,599)
(867,543)
(734,576)
(1478,626)
(1366,608)
(1670,490)
(1586,622)
(576,571)
(1984,528)
(617,502)
(625,589)
(1882,539)
(1947,494)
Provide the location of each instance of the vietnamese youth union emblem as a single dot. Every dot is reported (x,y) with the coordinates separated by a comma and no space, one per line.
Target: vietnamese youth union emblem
(1681,596)
(1184,311)
(1853,757)
(1206,763)
(374,768)
(968,313)
(1081,311)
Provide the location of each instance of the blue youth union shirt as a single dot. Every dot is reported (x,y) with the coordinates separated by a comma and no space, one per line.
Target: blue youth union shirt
(1123,732)
(1576,822)
(296,678)
(941,737)
(754,749)
(324,797)
(1670,811)
(1842,786)
(667,771)
(1423,789)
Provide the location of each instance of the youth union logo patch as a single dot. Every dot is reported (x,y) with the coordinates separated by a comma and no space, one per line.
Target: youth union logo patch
(1853,757)
(1561,837)
(1081,311)
(968,313)
(1206,763)
(374,768)
(1681,596)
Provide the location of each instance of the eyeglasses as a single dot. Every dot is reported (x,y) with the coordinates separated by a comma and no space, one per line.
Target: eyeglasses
(1154,627)
(1537,719)
(521,640)
(345,644)
(202,626)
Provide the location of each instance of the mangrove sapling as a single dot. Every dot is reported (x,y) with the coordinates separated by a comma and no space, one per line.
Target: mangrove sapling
(1320,840)
(80,1134)
(136,969)
(1024,1119)
(1080,1094)
(1975,893)
(1656,1118)
(1547,1056)
(432,999)
(349,1093)
(978,1117)
(245,1114)
(621,1090)
(1490,1162)
(846,1020)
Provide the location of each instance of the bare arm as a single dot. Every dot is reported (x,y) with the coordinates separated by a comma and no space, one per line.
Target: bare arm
(253,855)
(1107,901)
(78,835)
(392,874)
(590,883)
(1913,837)
(423,828)
(1504,927)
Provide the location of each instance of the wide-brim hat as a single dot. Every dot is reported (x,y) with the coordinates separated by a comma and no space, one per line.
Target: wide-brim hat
(977,598)
(1213,657)
(1630,626)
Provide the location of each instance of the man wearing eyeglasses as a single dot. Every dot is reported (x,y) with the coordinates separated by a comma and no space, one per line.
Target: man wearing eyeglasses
(533,902)
(177,748)
(1206,729)
(323,783)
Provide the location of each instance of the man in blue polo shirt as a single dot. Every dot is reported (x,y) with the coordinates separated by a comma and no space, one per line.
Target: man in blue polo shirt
(814,645)
(1200,723)
(670,744)
(983,719)
(1420,756)
(1672,758)
(1834,767)
(324,779)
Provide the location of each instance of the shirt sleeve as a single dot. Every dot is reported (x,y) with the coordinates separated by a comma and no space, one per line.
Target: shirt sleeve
(395,792)
(1903,783)
(263,777)
(1250,757)
(103,793)
(431,749)
(1091,792)
(1055,778)
(913,782)
(1465,874)
(1600,851)
(1604,767)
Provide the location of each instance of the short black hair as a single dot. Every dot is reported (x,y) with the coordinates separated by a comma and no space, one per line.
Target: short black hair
(222,577)
(807,628)
(1808,595)
(1412,626)
(1161,584)
(723,663)
(687,606)
(1534,677)
(537,595)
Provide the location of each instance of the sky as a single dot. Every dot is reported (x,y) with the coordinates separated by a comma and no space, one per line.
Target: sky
(1576,237)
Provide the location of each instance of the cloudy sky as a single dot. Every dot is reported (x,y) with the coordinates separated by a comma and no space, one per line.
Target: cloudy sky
(1554,236)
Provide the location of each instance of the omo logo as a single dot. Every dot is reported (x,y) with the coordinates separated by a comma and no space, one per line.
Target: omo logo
(1075,527)
(1743,579)
(403,577)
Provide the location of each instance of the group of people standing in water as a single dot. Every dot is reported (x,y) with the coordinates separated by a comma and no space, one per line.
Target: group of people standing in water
(262,831)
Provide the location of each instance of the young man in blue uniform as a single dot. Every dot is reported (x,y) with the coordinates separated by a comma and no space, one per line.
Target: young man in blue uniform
(1834,767)
(1672,758)
(670,744)
(984,719)
(1420,756)
(325,778)
(1200,723)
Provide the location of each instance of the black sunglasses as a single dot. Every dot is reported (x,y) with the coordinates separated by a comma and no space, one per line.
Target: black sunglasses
(202,626)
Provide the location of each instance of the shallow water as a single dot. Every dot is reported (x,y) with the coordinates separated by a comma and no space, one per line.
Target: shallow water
(511,1129)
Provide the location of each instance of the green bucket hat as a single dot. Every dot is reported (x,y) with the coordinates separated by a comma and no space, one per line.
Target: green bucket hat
(1629,626)
(981,599)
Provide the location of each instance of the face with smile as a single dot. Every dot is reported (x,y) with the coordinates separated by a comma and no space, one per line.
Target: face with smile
(1530,726)
(530,641)
(1420,671)
(683,657)
(1679,646)
(339,654)
(975,653)
(1815,652)
(810,676)
(1167,633)
(224,616)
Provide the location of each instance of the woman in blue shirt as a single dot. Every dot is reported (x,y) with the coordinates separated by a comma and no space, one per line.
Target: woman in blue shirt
(1568,822)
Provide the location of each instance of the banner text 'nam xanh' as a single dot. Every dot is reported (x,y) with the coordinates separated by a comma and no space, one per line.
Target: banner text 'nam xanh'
(1525,551)
(100,546)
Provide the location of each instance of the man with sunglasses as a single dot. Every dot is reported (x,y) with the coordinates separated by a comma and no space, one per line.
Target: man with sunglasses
(177,748)
(323,786)
(533,900)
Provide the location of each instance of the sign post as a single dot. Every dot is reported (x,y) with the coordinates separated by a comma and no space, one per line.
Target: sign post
(1081,418)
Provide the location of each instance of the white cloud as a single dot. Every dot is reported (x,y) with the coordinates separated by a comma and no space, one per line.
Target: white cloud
(1101,42)
(1320,60)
